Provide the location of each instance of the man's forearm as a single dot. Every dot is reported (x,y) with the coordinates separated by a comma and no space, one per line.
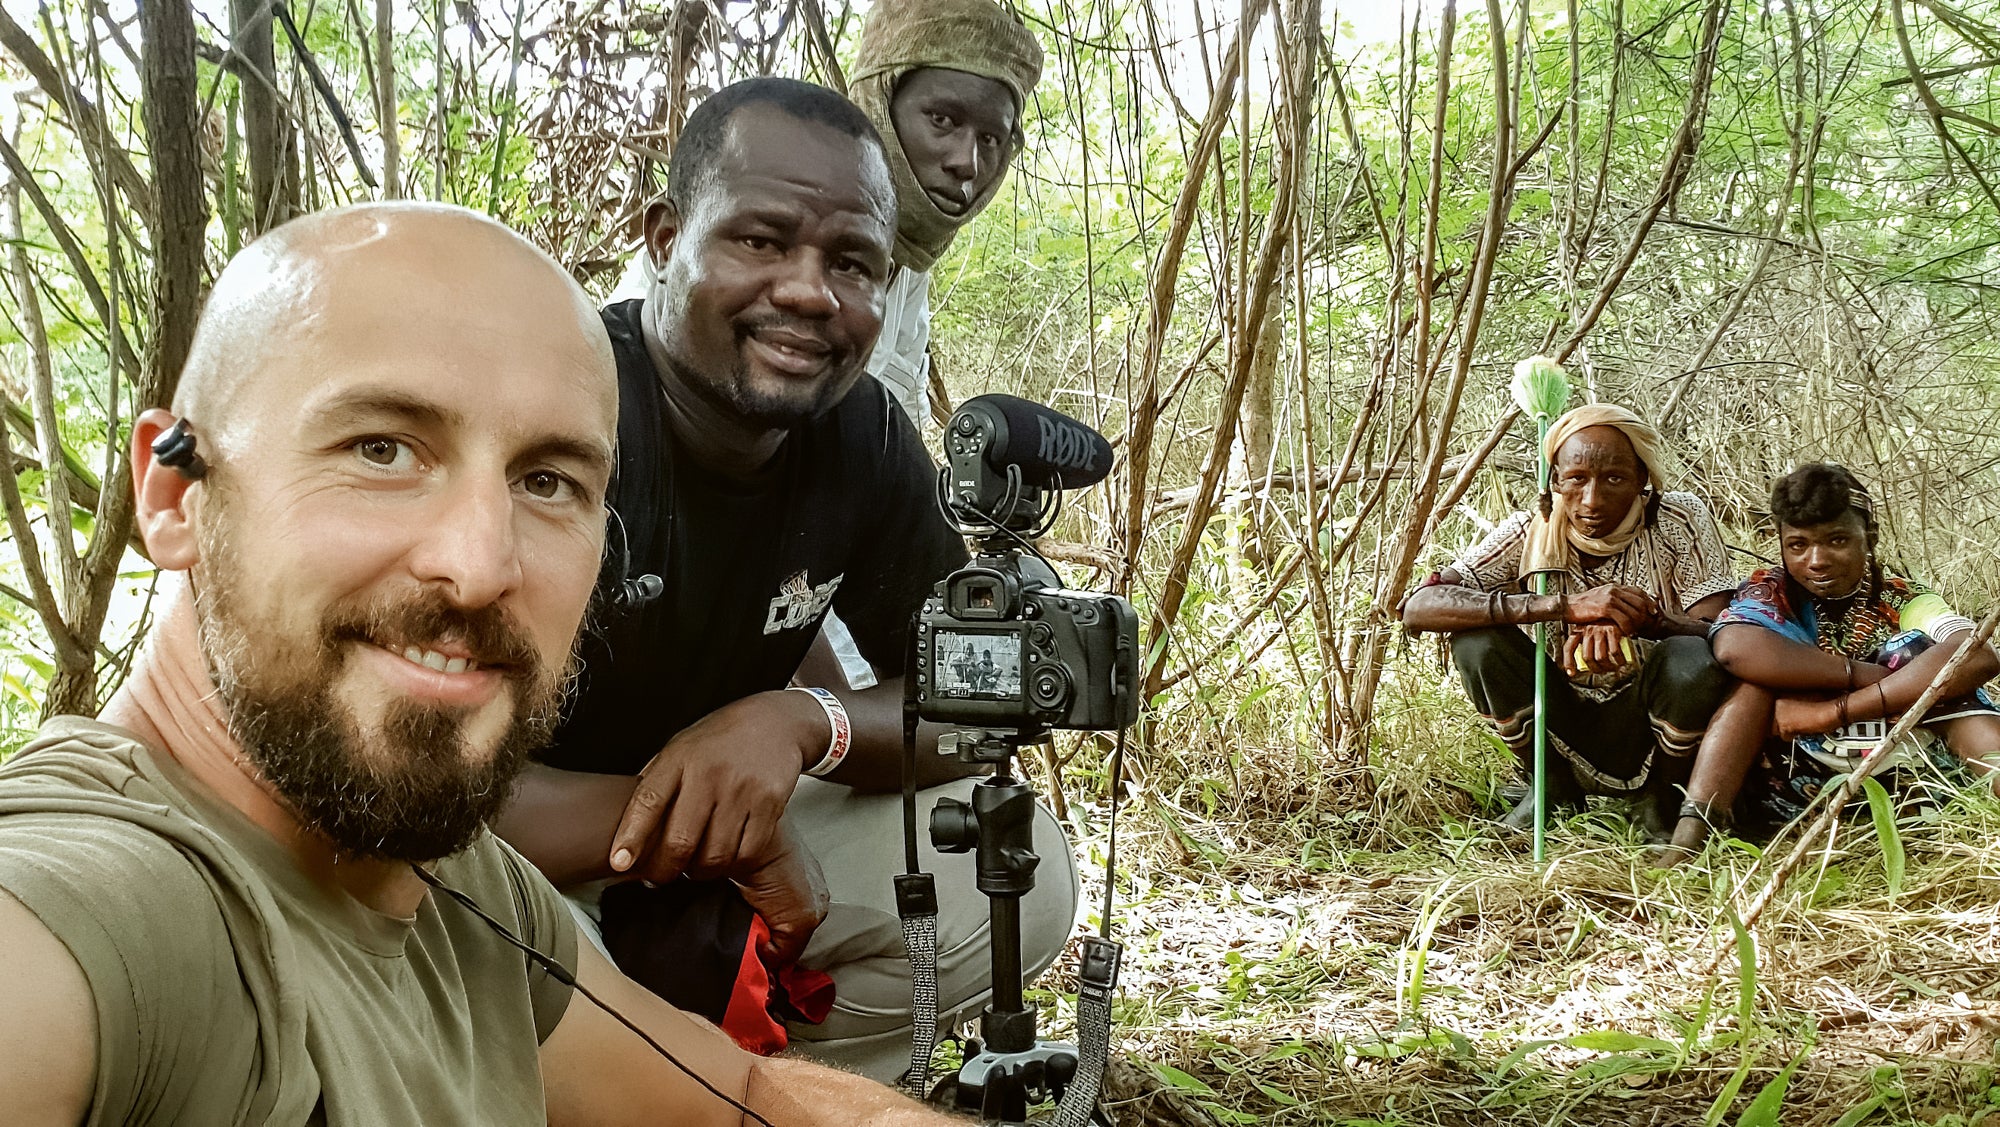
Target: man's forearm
(562,821)
(791,1091)
(1449,607)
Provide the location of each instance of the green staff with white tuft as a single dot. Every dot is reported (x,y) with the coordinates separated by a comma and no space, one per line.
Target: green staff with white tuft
(1541,391)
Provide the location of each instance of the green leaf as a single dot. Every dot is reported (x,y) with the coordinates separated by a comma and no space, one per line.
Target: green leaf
(1182,1080)
(1193,843)
(1617,1041)
(1520,1054)
(1864,1109)
(1278,1095)
(1884,812)
(1763,1111)
(1746,973)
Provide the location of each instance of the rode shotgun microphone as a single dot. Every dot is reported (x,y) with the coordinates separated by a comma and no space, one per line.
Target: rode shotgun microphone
(1052,450)
(1008,461)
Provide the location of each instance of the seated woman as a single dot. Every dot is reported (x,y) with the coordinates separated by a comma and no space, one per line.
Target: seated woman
(1828,650)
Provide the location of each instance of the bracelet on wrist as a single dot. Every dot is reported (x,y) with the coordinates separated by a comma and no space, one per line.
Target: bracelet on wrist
(842,738)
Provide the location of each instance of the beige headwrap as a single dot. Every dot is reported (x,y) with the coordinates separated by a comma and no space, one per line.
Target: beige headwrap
(1553,540)
(975,36)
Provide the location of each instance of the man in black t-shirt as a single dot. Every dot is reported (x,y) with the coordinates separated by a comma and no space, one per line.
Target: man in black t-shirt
(765,483)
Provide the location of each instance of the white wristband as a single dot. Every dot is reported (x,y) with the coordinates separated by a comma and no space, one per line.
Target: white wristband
(836,718)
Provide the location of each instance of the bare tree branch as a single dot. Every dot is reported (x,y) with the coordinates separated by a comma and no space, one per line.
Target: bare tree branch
(85,117)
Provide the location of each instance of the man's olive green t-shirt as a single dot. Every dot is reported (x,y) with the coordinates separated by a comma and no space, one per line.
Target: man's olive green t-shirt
(232,989)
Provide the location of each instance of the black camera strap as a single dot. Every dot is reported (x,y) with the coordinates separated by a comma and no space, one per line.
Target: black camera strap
(916,900)
(560,973)
(1097,980)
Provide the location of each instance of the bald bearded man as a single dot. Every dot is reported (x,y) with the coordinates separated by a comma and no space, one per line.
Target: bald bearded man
(385,489)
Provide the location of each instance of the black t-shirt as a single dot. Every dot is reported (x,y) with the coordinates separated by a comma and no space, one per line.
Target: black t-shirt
(844,516)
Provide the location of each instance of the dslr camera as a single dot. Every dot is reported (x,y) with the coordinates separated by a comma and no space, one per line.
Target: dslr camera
(1001,643)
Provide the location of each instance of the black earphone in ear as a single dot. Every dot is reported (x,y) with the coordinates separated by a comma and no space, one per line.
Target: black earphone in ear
(630,592)
(640,590)
(175,450)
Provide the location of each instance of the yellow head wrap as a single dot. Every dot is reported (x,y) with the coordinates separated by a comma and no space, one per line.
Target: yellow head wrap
(975,36)
(1554,540)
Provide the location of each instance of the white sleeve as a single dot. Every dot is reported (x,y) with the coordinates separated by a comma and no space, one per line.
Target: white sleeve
(899,360)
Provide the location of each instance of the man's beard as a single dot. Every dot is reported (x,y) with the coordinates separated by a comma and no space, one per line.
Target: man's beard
(407,790)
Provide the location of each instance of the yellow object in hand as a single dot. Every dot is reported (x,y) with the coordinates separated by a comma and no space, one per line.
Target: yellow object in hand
(1630,653)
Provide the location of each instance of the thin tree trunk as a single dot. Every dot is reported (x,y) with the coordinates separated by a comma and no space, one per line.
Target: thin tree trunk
(48,598)
(265,133)
(1260,422)
(169,104)
(1500,191)
(1298,61)
(385,98)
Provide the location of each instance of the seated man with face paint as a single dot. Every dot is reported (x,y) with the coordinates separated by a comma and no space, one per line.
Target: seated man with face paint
(1634,574)
(1831,648)
(260,889)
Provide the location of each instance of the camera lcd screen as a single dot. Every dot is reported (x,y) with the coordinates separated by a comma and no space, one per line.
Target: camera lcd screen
(978,665)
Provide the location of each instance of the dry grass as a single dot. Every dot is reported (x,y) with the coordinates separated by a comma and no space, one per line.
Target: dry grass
(1399,963)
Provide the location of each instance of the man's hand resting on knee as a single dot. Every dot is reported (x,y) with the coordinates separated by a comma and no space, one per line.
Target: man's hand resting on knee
(711,804)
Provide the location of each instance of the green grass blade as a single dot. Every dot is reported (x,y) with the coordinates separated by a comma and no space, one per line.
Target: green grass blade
(1746,974)
(1884,812)
(1763,1111)
(1861,1111)
(1746,1018)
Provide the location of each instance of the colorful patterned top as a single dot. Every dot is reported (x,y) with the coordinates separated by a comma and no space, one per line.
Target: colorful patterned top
(1889,626)
(1860,627)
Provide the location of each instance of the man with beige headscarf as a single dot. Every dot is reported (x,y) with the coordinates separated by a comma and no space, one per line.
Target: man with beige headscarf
(1635,576)
(948,81)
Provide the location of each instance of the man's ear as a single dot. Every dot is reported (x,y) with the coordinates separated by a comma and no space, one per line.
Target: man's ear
(164,501)
(663,225)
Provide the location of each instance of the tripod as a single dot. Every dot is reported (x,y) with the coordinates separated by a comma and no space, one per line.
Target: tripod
(1008,1067)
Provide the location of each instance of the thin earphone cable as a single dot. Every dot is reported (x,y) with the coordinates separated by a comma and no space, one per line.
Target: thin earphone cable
(561,974)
